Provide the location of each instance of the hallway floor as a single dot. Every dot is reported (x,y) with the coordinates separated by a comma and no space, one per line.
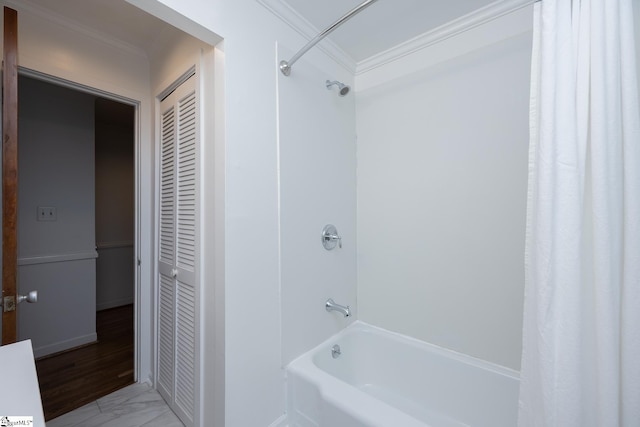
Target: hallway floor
(137,405)
(74,378)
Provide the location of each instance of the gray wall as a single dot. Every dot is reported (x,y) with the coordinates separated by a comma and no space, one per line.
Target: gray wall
(442,184)
(114,204)
(56,169)
(636,6)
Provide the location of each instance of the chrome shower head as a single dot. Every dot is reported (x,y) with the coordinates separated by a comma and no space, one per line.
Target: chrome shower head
(343,89)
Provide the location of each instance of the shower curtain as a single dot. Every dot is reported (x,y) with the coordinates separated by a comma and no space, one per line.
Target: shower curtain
(581,335)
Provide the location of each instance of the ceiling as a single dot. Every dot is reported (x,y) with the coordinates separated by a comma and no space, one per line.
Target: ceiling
(381,26)
(113,18)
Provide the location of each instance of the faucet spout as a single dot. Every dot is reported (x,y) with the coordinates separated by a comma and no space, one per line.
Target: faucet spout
(330,305)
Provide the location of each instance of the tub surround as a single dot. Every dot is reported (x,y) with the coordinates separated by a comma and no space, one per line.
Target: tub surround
(442,179)
(317,148)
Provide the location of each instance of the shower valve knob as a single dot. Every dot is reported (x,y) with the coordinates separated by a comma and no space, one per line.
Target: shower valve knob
(336,238)
(331,238)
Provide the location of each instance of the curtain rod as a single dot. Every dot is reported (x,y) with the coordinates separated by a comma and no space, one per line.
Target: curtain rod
(285,66)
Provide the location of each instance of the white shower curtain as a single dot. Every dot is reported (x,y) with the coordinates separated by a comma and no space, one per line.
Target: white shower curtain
(581,337)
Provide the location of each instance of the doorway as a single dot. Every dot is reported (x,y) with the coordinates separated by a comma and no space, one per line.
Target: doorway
(80,45)
(77,240)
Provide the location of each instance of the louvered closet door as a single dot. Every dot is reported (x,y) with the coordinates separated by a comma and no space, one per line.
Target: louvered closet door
(178,251)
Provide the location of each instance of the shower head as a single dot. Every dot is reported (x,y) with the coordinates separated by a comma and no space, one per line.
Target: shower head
(343,89)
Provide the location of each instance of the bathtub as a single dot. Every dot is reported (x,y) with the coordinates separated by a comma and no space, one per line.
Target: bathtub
(383,379)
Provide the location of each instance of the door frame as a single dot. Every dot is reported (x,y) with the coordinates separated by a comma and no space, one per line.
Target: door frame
(136,104)
(9,285)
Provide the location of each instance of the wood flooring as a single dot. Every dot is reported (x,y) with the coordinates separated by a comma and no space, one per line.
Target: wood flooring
(76,377)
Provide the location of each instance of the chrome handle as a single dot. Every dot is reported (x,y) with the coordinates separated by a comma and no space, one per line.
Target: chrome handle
(31,297)
(334,238)
(330,236)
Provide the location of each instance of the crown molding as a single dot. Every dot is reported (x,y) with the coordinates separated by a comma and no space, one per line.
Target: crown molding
(459,25)
(48,15)
(297,22)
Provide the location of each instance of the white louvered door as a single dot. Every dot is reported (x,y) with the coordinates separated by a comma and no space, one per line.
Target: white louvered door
(177,362)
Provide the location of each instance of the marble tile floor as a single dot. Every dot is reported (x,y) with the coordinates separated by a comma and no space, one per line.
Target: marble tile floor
(137,405)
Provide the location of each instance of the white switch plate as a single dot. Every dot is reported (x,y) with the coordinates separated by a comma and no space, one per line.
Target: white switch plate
(47,213)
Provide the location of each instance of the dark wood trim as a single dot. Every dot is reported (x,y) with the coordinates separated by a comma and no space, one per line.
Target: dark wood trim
(9,169)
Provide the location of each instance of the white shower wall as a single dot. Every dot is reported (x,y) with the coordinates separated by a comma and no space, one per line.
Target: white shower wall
(442,180)
(317,174)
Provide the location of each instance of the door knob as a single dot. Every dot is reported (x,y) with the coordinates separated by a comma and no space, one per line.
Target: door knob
(9,303)
(31,297)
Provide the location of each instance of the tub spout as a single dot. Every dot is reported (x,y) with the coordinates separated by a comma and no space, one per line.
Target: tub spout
(330,305)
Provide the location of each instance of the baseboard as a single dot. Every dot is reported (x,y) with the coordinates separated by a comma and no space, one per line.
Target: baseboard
(64,345)
(114,303)
(148,381)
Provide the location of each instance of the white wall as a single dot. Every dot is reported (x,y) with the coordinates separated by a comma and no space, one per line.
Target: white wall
(115,208)
(56,169)
(317,147)
(442,178)
(172,54)
(52,45)
(253,336)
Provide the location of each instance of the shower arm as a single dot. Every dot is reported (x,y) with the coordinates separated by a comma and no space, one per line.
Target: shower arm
(285,66)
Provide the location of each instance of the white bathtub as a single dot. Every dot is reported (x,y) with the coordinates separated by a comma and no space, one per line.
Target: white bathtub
(382,379)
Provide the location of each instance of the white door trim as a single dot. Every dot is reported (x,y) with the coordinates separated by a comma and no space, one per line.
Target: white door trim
(22,71)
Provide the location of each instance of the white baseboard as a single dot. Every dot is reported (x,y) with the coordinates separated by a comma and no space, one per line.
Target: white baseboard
(64,345)
(148,381)
(114,303)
